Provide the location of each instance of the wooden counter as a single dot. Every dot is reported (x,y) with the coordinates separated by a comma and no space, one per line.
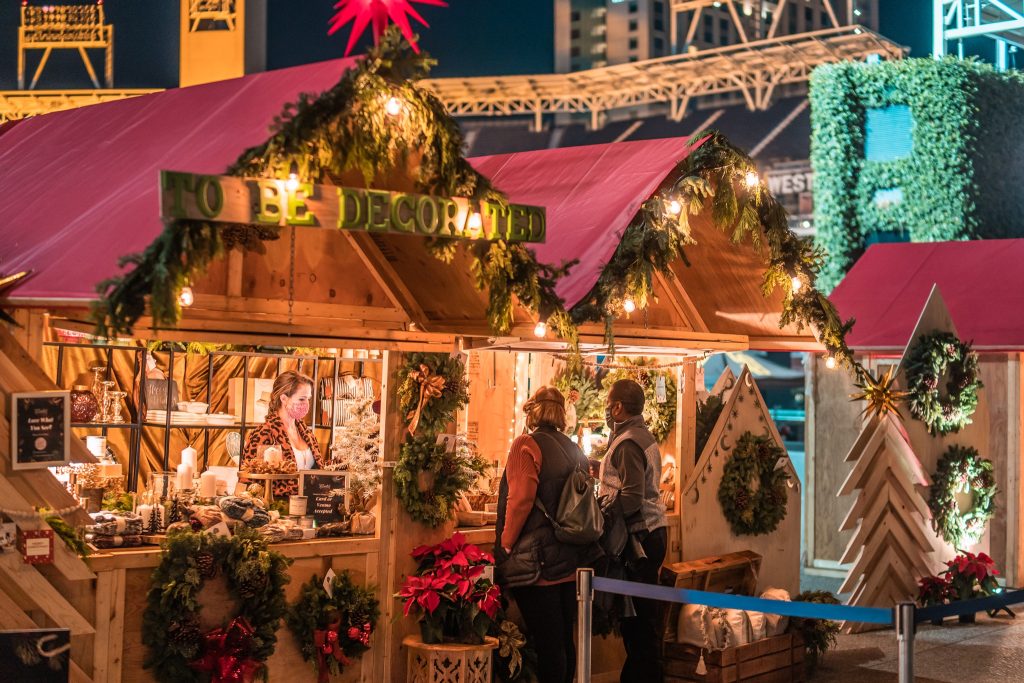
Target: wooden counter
(117,599)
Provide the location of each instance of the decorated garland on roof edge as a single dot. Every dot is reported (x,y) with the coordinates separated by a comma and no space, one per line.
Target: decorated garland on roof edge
(962,470)
(759,510)
(320,138)
(177,648)
(933,358)
(333,629)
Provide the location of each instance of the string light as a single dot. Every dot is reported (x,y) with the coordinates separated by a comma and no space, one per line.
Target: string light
(293,182)
(674,207)
(830,362)
(751,179)
(797,283)
(185,297)
(628,306)
(475,222)
(393,106)
(541,329)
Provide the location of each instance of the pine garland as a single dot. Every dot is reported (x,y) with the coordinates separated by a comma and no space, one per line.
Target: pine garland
(321,138)
(72,537)
(819,634)
(753,510)
(256,577)
(353,609)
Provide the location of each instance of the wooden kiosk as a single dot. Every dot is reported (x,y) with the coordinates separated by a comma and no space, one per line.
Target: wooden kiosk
(379,293)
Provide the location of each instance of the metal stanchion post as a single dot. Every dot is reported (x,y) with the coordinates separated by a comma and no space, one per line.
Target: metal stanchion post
(585,603)
(905,613)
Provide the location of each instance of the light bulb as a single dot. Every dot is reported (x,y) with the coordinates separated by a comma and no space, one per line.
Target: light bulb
(393,106)
(293,182)
(751,179)
(185,297)
(540,329)
(628,306)
(674,208)
(797,283)
(830,363)
(475,222)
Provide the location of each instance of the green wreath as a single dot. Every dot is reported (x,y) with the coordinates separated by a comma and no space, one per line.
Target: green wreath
(438,411)
(590,405)
(758,511)
(255,575)
(933,357)
(429,478)
(962,470)
(332,629)
(660,417)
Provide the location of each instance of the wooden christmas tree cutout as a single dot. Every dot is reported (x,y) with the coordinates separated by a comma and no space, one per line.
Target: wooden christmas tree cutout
(705,530)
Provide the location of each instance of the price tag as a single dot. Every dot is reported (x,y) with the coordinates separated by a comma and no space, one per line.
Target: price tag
(220,529)
(449,441)
(660,392)
(329,583)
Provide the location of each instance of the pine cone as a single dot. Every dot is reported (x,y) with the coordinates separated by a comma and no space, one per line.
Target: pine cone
(205,564)
(184,634)
(930,382)
(253,584)
(742,500)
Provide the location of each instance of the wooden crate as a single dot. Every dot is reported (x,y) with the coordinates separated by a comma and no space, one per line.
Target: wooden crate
(779,659)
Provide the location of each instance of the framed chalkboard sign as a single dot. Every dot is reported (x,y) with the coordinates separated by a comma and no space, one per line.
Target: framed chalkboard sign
(40,429)
(327,495)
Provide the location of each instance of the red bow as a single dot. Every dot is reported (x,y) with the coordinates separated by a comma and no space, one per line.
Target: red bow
(226,654)
(326,641)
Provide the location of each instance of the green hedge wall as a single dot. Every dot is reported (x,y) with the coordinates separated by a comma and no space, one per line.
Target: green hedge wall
(964,178)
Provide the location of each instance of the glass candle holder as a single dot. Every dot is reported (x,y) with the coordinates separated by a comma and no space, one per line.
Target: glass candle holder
(116,406)
(106,401)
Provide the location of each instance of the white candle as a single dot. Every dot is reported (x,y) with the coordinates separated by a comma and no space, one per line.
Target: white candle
(145,511)
(185,472)
(273,455)
(188,457)
(110,469)
(207,485)
(297,506)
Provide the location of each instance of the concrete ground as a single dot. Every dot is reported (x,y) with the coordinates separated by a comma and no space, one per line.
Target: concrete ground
(990,650)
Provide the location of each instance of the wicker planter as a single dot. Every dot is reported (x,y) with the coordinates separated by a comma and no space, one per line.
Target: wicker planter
(449,662)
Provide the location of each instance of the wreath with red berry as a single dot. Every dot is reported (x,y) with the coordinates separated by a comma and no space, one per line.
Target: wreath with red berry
(754,511)
(333,628)
(178,649)
(942,379)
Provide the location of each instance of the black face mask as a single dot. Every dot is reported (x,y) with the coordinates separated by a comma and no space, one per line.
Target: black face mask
(608,419)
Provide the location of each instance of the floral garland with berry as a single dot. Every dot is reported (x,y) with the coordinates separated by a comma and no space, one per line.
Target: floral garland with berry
(936,356)
(962,470)
(178,650)
(333,628)
(759,511)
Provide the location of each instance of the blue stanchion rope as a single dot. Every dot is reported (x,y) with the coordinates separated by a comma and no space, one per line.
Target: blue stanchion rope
(806,610)
(955,609)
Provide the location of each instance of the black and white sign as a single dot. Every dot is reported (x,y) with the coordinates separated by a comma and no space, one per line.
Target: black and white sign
(40,429)
(327,493)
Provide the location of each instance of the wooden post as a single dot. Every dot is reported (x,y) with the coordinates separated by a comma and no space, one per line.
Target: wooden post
(1014,469)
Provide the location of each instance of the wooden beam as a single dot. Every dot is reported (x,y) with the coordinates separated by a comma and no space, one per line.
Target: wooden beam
(218,304)
(108,644)
(669,287)
(385,275)
(28,587)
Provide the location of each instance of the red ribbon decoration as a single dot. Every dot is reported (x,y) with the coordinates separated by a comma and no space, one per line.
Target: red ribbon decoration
(327,645)
(226,654)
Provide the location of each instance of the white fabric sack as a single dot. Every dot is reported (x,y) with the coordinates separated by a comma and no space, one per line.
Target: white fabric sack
(698,627)
(737,626)
(775,624)
(758,625)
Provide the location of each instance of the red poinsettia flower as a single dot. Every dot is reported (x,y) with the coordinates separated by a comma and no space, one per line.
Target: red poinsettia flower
(490,602)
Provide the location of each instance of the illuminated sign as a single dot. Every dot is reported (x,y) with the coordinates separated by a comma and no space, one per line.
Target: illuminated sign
(259,201)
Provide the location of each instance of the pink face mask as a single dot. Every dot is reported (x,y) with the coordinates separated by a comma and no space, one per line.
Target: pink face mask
(297,411)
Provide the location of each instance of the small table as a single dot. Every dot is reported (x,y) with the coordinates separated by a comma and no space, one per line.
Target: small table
(449,662)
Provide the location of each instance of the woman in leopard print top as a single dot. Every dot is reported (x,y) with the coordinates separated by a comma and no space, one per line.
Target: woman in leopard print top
(286,429)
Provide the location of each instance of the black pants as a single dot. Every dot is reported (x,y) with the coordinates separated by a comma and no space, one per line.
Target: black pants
(642,634)
(549,612)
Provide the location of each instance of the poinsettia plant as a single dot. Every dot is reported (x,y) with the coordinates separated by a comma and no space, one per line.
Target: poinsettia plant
(971,576)
(934,590)
(452,592)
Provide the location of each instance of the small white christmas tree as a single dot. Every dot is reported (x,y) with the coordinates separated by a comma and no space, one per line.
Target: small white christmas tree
(356,450)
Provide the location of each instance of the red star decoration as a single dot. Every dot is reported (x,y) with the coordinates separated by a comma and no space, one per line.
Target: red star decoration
(378,12)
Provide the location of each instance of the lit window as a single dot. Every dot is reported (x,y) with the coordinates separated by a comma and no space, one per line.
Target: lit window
(888,133)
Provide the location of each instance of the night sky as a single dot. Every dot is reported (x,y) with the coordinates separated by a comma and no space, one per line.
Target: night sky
(470,37)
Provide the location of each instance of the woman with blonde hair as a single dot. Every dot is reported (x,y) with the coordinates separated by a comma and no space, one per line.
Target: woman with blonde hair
(539,570)
(285,428)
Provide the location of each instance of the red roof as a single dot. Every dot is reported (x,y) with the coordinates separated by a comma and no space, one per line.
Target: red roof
(81,186)
(982,283)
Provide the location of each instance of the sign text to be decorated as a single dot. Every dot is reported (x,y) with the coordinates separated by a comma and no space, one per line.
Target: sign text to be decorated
(257,201)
